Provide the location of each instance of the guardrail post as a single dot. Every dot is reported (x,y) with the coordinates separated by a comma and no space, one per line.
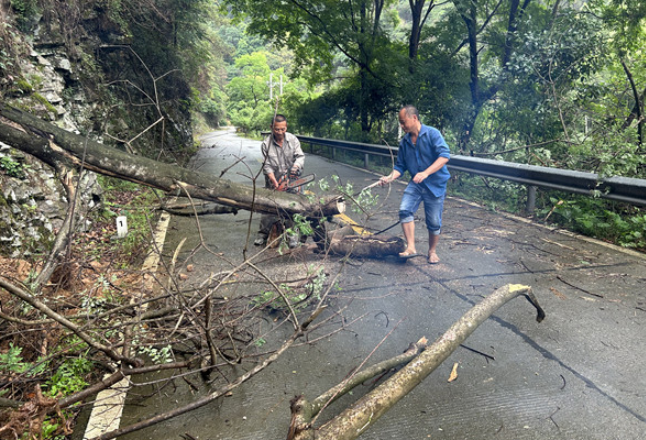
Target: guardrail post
(531,198)
(366,161)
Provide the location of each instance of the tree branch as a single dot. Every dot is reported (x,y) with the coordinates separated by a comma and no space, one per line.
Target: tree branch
(53,146)
(355,420)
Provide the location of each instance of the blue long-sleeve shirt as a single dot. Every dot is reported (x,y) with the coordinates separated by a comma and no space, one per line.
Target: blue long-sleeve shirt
(416,158)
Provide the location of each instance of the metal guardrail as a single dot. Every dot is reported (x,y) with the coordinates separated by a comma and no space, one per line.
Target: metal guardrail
(623,189)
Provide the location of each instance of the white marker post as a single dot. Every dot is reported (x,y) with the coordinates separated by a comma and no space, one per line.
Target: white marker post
(122,226)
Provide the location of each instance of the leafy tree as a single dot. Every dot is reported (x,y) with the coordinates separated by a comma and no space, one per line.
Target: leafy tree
(240,43)
(537,101)
(251,104)
(494,76)
(318,30)
(625,21)
(251,87)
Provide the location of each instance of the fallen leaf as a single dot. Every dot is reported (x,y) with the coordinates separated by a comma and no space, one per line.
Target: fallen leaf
(557,293)
(454,373)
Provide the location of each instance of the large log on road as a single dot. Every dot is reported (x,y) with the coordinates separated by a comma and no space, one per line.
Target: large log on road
(54,145)
(344,241)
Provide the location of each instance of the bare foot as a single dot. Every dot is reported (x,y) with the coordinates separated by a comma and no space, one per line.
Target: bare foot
(408,253)
(433,258)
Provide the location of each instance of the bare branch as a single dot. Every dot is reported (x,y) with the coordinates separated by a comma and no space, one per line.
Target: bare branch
(355,420)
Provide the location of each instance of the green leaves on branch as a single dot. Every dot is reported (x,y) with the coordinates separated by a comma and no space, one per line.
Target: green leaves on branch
(11,362)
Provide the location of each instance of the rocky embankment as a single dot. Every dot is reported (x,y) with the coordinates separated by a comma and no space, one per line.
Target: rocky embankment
(61,65)
(33,203)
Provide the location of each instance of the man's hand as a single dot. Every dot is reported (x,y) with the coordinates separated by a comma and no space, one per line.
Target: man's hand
(385,180)
(420,177)
(295,172)
(389,178)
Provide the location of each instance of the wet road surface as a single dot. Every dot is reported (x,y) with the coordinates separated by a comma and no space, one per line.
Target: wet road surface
(577,375)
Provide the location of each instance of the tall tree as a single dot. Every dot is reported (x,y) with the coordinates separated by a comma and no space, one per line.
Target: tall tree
(486,20)
(626,19)
(317,30)
(419,17)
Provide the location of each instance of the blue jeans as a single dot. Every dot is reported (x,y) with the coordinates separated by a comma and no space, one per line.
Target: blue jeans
(414,194)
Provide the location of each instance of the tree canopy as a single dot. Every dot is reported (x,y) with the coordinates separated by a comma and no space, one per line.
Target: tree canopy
(557,83)
(492,75)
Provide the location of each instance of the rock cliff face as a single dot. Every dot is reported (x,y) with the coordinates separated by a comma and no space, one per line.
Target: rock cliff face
(32,201)
(57,63)
(33,204)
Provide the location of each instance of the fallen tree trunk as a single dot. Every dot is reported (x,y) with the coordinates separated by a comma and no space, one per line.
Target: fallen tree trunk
(369,246)
(54,146)
(62,149)
(345,242)
(352,422)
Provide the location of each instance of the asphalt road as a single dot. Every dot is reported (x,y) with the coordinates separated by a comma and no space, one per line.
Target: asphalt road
(577,375)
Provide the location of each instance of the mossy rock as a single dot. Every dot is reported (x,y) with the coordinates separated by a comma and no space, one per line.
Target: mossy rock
(24,86)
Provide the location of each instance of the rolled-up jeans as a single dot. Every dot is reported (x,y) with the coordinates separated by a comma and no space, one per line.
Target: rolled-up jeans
(414,194)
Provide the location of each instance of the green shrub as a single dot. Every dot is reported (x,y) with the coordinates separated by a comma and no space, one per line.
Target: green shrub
(69,377)
(26,11)
(12,362)
(601,219)
(12,168)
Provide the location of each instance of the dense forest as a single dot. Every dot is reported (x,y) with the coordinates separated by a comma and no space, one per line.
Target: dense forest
(558,84)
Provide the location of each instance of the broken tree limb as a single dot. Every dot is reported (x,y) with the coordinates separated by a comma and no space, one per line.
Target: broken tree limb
(54,145)
(78,331)
(8,403)
(202,401)
(368,373)
(217,209)
(304,411)
(352,422)
(370,246)
(344,241)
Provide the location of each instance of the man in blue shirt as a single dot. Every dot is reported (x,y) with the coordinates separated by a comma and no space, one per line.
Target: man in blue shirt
(424,154)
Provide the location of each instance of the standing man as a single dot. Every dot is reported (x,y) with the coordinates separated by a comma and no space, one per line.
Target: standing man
(282,155)
(424,154)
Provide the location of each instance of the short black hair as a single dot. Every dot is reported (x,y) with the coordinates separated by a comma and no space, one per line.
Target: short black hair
(279,118)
